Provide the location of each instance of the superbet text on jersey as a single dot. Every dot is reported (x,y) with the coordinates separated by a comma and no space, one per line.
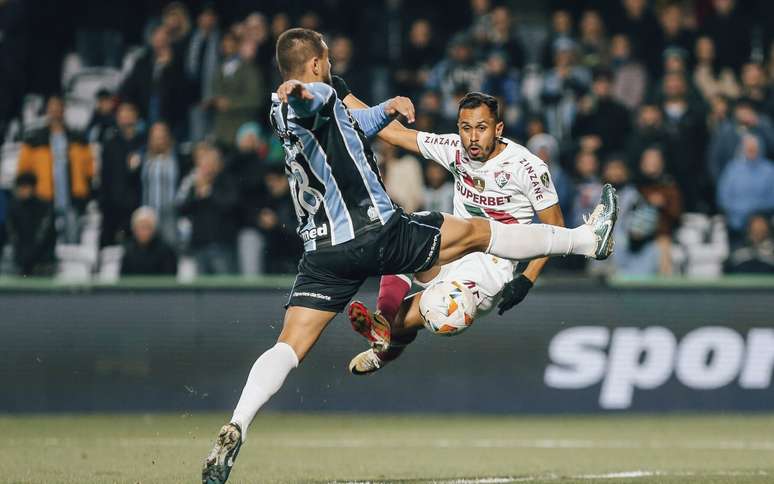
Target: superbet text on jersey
(508,188)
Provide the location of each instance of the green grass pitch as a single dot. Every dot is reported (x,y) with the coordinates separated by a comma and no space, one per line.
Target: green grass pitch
(341,448)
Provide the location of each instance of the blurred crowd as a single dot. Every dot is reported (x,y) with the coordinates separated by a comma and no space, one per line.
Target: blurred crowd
(671,102)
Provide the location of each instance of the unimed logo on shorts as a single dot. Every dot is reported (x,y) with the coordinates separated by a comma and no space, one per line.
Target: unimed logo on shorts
(627,359)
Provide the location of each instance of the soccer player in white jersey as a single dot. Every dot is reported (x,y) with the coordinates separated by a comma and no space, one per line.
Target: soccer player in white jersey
(494,178)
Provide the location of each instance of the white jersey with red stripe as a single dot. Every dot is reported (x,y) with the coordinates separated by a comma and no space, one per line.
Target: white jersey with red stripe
(508,188)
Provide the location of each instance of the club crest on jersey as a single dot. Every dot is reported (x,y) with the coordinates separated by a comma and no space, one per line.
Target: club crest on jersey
(544,179)
(479,184)
(502,178)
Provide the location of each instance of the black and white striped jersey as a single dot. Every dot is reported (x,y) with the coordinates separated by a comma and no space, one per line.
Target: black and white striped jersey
(335,183)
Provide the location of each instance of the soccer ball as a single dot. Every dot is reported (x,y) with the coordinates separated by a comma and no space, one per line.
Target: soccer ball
(447,307)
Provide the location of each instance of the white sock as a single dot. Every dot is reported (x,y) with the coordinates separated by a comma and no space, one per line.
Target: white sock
(530,241)
(265,379)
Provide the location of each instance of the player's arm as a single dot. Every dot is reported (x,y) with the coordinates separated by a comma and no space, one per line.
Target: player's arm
(394,132)
(305,99)
(515,291)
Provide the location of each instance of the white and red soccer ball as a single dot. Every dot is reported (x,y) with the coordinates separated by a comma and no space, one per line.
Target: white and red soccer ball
(447,307)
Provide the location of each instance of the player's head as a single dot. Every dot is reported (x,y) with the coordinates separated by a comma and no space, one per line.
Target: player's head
(302,54)
(479,124)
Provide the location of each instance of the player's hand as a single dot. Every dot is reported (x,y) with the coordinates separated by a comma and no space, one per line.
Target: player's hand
(513,293)
(400,106)
(293,88)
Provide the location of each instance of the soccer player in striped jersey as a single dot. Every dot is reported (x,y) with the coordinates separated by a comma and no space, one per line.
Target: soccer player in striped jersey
(352,230)
(494,177)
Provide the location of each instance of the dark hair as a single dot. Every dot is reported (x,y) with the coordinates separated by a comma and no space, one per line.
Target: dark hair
(26,179)
(295,47)
(473,100)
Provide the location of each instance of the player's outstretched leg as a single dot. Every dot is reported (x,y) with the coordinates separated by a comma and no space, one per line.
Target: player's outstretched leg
(300,331)
(525,242)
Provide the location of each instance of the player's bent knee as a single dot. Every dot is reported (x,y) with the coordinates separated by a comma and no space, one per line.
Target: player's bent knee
(447,307)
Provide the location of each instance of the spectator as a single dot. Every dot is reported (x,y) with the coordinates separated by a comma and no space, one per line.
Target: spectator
(237,90)
(246,166)
(176,20)
(719,113)
(438,189)
(616,172)
(593,45)
(481,12)
(730,30)
(630,79)
(711,79)
(429,114)
(208,196)
(564,84)
(257,33)
(757,254)
(344,66)
(280,22)
(418,57)
(277,222)
(458,72)
(673,34)
(636,20)
(103,118)
(545,147)
(402,175)
(602,117)
(160,173)
(685,124)
(202,58)
(746,187)
(155,83)
(725,142)
(561,28)
(648,131)
(310,20)
(587,187)
(503,83)
(661,193)
(63,167)
(756,88)
(503,37)
(31,229)
(120,185)
(146,253)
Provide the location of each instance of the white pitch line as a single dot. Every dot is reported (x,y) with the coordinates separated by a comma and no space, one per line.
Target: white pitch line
(552,477)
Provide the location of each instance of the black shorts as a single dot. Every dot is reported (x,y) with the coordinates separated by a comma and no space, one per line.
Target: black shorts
(328,277)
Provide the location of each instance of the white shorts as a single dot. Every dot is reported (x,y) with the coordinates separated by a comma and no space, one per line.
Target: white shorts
(484,274)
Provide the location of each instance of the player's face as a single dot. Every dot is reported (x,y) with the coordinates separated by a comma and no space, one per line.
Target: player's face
(479,131)
(324,65)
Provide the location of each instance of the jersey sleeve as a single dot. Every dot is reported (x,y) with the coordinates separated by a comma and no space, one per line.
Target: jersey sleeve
(340,86)
(321,94)
(371,120)
(441,148)
(537,183)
